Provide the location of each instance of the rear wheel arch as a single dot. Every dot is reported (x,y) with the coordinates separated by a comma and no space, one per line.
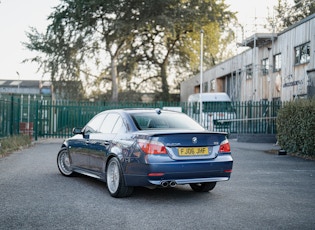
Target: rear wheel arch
(115,179)
(108,158)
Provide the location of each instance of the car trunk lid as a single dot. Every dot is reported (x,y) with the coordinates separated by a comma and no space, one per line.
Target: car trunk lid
(190,145)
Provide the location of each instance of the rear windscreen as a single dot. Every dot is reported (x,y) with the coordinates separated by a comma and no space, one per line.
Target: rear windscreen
(164,120)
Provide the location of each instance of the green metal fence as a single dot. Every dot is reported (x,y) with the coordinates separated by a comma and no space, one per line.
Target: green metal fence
(9,115)
(40,117)
(237,117)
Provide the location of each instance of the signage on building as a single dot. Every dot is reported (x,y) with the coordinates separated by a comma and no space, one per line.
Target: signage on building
(292,83)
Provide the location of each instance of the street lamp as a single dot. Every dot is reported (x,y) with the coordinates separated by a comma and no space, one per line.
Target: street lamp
(201,76)
(18,89)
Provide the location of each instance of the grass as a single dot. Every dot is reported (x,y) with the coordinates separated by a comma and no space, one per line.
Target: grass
(13,143)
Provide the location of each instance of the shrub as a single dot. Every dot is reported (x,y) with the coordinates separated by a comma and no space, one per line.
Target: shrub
(296,127)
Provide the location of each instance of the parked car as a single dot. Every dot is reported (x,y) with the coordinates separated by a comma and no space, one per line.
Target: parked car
(146,147)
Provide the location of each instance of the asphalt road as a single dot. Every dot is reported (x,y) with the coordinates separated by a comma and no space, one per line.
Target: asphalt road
(266,191)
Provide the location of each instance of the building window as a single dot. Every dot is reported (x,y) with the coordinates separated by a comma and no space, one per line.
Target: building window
(212,85)
(197,89)
(239,72)
(277,63)
(265,66)
(249,71)
(303,53)
(205,87)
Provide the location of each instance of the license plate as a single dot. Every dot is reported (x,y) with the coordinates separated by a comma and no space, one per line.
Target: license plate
(197,151)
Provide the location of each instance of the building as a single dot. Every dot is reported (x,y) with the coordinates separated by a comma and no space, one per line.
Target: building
(274,67)
(25,87)
(57,90)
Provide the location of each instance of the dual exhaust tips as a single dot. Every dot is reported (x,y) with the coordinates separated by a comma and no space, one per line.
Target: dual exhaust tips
(168,184)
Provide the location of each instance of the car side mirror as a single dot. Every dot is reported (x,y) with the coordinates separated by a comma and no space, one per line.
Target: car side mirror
(77,131)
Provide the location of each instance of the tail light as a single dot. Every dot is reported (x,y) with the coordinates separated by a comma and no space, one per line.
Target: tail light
(152,147)
(224,147)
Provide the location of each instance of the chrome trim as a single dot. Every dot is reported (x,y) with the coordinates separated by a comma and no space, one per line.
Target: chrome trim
(191,181)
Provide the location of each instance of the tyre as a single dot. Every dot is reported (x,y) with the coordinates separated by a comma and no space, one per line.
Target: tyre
(203,187)
(115,180)
(63,163)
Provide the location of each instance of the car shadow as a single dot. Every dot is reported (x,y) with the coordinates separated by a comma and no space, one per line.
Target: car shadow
(158,194)
(179,192)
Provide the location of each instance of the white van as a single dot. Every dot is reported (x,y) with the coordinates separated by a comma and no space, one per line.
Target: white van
(216,107)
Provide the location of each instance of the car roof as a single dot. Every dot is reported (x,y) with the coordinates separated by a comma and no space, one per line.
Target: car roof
(137,110)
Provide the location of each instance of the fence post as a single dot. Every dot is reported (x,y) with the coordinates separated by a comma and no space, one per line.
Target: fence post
(19,115)
(11,116)
(36,122)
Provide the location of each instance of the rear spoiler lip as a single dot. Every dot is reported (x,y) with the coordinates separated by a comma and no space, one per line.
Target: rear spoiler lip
(157,132)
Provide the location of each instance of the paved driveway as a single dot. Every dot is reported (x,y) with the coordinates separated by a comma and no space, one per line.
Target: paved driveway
(266,191)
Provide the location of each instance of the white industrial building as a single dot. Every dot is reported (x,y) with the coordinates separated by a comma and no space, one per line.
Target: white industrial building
(275,67)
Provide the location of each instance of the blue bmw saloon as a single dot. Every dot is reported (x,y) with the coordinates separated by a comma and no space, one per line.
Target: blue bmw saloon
(146,147)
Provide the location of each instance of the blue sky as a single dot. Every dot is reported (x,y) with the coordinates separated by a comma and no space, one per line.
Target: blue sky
(17,16)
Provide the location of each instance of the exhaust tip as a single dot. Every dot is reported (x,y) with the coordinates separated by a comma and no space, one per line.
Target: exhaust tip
(165,184)
(173,183)
(168,184)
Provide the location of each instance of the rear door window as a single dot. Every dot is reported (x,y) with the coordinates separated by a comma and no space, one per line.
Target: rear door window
(109,123)
(119,126)
(94,125)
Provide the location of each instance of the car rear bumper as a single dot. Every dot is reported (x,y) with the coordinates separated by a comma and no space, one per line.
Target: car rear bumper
(190,181)
(180,173)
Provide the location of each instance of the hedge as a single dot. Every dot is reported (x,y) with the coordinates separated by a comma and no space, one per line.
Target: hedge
(296,127)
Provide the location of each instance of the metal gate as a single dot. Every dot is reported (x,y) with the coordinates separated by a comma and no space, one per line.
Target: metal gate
(40,117)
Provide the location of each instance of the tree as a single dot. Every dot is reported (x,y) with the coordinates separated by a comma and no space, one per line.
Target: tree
(83,35)
(169,40)
(286,15)
(117,41)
